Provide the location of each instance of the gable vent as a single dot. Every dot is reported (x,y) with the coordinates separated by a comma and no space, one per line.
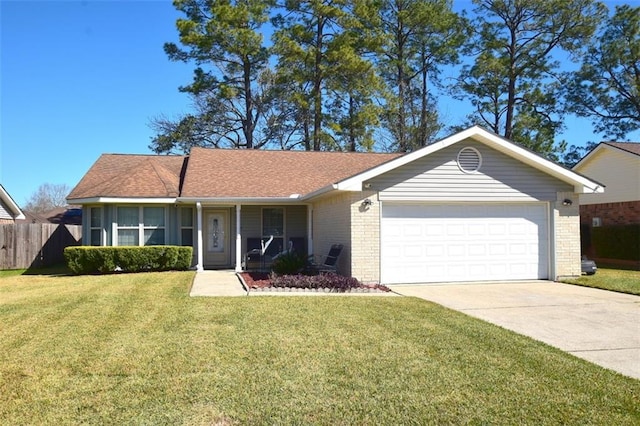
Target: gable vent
(469,160)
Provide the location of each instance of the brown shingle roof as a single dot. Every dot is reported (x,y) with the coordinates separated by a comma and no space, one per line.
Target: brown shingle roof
(632,147)
(221,173)
(256,173)
(122,175)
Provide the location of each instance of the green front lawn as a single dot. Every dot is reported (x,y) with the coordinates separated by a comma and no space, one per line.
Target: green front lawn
(136,349)
(611,279)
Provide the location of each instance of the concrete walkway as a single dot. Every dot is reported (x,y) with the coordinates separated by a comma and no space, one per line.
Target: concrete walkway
(217,283)
(600,326)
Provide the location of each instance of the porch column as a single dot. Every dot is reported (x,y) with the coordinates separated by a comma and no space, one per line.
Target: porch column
(238,241)
(199,266)
(310,229)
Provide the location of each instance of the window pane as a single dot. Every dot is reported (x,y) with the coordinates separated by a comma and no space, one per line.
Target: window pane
(153,216)
(96,217)
(96,237)
(276,246)
(153,237)
(127,237)
(272,222)
(128,216)
(187,237)
(186,217)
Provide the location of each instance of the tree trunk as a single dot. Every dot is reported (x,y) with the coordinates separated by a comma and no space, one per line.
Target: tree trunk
(352,137)
(402,143)
(422,135)
(317,86)
(248,124)
(511,90)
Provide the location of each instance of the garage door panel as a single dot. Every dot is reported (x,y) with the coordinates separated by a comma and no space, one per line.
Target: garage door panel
(463,242)
(477,250)
(413,251)
(518,249)
(435,250)
(434,230)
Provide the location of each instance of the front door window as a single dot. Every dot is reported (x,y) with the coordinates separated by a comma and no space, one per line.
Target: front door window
(216,235)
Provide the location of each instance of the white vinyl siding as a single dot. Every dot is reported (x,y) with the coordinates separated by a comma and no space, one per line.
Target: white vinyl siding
(619,171)
(423,243)
(5,212)
(438,177)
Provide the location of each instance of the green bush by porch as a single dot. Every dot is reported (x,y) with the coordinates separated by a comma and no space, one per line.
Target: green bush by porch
(91,260)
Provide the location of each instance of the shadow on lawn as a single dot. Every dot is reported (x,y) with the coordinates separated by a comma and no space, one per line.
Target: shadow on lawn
(60,269)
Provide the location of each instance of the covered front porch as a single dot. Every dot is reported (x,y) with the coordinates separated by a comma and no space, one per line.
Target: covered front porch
(225,233)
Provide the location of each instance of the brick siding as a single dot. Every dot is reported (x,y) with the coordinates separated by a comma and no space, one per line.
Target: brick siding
(610,214)
(623,213)
(331,225)
(343,219)
(567,236)
(365,237)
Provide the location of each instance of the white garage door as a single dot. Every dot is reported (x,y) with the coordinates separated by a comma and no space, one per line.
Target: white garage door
(463,242)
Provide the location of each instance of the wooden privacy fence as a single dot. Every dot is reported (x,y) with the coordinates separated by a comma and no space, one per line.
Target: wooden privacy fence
(34,245)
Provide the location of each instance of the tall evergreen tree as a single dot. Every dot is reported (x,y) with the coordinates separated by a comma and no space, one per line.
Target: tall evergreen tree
(417,37)
(223,38)
(354,87)
(606,88)
(513,83)
(306,34)
(321,61)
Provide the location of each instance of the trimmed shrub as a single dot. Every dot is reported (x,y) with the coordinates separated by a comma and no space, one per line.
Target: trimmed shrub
(289,263)
(92,260)
(617,242)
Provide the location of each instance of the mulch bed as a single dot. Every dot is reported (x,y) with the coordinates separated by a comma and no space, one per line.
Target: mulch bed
(260,281)
(256,280)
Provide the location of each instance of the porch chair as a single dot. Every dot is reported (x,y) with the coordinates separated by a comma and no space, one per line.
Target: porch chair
(330,262)
(253,257)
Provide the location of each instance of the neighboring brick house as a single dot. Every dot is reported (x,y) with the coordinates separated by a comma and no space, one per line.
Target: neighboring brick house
(471,207)
(617,166)
(9,210)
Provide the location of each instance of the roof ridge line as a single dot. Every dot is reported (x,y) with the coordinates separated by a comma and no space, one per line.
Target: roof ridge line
(168,186)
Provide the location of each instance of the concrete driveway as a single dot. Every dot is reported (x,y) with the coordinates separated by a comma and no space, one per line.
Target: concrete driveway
(597,325)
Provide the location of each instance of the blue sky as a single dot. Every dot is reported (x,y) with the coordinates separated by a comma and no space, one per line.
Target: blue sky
(82,78)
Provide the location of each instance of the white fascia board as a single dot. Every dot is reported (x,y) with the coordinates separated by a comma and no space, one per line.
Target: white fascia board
(580,183)
(602,146)
(120,200)
(350,184)
(240,200)
(321,191)
(590,155)
(4,195)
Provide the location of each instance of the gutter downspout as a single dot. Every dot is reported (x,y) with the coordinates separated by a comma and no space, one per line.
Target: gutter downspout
(199,266)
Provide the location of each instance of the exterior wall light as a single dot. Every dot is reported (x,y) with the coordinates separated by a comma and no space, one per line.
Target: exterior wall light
(567,202)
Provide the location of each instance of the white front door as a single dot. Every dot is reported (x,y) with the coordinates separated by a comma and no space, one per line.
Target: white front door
(216,238)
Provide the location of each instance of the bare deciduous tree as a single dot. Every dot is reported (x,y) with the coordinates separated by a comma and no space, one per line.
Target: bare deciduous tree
(47,197)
